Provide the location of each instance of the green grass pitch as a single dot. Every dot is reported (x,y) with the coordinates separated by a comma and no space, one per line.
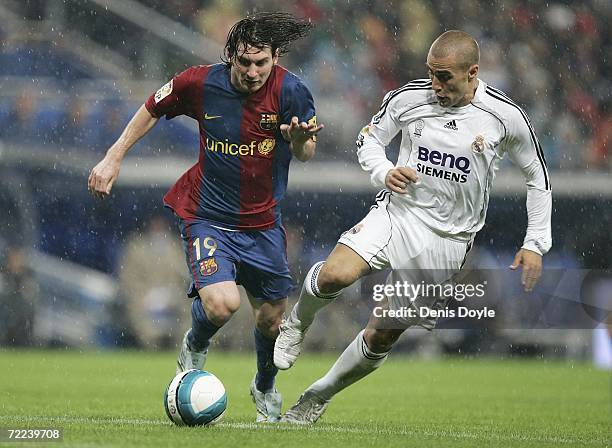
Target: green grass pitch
(115,399)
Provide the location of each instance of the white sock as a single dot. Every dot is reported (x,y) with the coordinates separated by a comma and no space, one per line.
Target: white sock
(354,363)
(311,299)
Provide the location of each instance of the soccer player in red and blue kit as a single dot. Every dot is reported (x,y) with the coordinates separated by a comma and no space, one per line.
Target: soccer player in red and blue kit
(254,116)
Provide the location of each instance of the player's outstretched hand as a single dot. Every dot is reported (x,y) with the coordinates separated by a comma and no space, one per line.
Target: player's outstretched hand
(299,133)
(397,179)
(532,267)
(103,176)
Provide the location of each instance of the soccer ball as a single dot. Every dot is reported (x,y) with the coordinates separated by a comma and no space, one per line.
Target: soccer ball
(195,397)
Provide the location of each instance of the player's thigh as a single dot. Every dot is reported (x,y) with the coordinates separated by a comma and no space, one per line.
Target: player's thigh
(370,237)
(263,269)
(425,276)
(211,259)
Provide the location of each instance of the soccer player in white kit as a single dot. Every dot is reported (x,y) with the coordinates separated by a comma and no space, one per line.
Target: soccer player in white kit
(455,131)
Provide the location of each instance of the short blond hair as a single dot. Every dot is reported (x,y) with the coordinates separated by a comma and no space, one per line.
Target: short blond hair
(459,44)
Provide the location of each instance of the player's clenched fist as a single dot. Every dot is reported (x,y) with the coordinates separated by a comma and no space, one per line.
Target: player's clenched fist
(103,176)
(398,179)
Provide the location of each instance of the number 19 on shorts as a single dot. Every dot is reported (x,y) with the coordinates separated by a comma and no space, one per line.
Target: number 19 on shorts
(208,244)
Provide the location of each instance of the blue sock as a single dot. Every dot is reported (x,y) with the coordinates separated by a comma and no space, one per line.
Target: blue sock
(266,370)
(202,329)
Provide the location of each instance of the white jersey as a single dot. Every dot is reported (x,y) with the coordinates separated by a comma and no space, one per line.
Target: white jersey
(456,152)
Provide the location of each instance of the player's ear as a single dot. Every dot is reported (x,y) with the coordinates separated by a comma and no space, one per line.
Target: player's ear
(473,72)
(275,56)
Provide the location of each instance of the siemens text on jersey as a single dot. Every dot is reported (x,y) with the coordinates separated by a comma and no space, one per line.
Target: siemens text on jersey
(446,160)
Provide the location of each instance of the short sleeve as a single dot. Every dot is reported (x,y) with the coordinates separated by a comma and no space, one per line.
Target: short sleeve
(297,101)
(179,96)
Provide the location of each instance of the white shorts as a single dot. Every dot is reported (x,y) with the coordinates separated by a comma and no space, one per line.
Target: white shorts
(390,238)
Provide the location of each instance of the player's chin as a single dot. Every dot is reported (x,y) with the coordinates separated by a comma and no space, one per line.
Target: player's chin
(253,86)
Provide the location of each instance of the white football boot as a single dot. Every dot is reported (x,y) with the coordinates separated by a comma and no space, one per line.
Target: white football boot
(288,344)
(188,359)
(268,404)
(308,409)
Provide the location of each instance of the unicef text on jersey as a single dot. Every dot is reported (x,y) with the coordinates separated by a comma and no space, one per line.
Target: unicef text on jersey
(232,149)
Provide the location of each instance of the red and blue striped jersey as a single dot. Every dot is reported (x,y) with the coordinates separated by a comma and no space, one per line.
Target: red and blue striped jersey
(243,166)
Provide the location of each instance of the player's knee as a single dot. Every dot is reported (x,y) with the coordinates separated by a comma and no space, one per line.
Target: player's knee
(268,321)
(220,307)
(335,276)
(380,341)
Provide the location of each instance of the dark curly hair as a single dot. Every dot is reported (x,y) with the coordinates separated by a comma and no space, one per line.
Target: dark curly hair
(276,30)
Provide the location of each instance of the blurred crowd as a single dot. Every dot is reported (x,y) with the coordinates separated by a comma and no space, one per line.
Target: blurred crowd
(552,58)
(90,125)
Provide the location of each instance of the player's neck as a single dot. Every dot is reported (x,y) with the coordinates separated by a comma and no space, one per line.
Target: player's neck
(467,99)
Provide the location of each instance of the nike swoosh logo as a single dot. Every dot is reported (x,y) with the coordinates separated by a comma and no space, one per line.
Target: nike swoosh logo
(211,117)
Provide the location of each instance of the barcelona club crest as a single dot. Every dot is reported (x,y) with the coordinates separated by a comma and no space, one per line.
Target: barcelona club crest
(269,121)
(208,266)
(266,146)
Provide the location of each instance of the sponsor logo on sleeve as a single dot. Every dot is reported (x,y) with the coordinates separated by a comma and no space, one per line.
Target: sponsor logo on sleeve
(362,135)
(313,120)
(164,91)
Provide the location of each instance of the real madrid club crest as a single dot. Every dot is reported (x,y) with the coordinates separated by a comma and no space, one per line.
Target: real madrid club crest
(478,145)
(208,266)
(418,127)
(269,121)
(266,146)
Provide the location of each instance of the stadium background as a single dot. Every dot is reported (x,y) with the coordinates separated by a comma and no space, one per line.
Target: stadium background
(73,72)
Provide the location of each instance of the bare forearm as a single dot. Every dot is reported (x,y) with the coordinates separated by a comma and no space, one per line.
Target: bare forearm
(141,123)
(305,151)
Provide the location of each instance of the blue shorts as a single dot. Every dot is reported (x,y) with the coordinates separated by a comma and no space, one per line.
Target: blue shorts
(255,259)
